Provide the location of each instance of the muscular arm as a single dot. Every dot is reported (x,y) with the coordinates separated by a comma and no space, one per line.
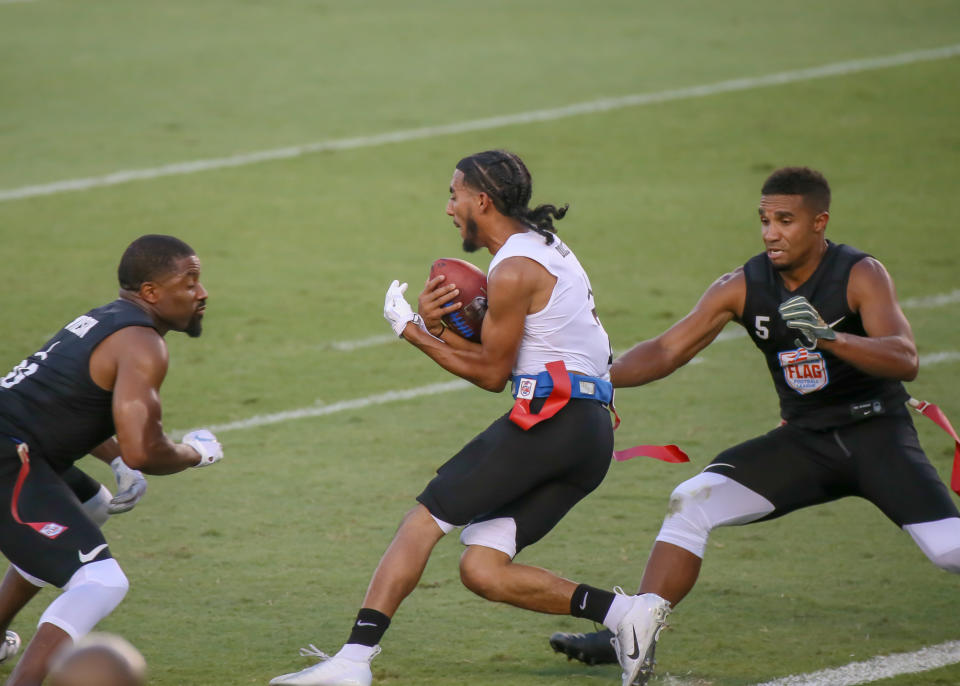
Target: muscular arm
(888,350)
(511,290)
(136,358)
(657,357)
(107,450)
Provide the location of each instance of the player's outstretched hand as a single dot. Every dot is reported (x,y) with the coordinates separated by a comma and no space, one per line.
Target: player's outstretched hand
(131,485)
(799,314)
(397,311)
(436,300)
(205,443)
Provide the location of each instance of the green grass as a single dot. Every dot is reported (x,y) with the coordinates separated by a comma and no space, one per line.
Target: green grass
(233,568)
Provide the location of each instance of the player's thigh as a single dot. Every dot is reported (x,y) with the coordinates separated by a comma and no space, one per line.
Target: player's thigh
(504,462)
(895,474)
(55,552)
(792,468)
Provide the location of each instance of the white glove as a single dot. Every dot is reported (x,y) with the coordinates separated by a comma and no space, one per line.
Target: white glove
(205,443)
(131,485)
(397,310)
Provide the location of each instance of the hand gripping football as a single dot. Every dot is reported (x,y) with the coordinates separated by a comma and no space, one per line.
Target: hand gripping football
(472,283)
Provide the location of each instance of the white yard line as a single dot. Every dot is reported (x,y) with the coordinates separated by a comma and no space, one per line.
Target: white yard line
(343,405)
(937,358)
(405,135)
(938,300)
(10,2)
(875,669)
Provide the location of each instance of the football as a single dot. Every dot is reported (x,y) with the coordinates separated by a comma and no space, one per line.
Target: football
(472,282)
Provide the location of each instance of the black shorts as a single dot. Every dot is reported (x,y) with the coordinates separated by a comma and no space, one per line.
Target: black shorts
(45,497)
(879,459)
(533,477)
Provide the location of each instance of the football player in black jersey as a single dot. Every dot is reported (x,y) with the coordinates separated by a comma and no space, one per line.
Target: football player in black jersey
(97,378)
(838,346)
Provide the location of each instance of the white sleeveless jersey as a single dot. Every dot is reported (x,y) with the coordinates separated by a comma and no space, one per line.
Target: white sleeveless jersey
(567,328)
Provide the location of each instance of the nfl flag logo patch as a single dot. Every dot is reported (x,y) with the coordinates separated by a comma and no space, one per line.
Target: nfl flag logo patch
(525,391)
(805,371)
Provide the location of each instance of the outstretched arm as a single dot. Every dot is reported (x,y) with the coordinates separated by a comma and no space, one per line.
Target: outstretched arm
(657,357)
(888,350)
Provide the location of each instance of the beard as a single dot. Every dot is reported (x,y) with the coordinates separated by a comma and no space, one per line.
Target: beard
(194,326)
(470,240)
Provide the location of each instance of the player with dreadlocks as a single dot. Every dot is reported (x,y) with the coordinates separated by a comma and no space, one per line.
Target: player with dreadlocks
(509,486)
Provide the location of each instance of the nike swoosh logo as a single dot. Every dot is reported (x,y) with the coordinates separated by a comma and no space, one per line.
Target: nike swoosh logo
(583,603)
(86,557)
(833,324)
(366,623)
(636,647)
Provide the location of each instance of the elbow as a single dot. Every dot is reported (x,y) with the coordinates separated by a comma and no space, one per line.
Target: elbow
(493,384)
(912,368)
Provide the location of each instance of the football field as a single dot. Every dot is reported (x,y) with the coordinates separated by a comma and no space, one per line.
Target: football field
(304,148)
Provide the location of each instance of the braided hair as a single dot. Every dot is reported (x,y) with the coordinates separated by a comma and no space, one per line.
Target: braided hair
(505,179)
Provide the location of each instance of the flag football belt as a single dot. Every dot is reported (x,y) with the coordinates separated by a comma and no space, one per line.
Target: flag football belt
(557,385)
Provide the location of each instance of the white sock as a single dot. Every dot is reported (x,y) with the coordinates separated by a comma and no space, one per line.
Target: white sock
(619,607)
(356,652)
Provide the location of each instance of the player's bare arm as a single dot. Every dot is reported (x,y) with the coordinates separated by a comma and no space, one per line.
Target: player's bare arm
(107,450)
(658,357)
(133,361)
(889,349)
(514,289)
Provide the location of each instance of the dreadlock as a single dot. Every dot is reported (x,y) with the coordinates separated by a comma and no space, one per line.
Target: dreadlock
(504,177)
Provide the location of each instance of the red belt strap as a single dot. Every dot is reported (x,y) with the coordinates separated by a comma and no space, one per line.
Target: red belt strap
(935,414)
(520,414)
(48,529)
(667,453)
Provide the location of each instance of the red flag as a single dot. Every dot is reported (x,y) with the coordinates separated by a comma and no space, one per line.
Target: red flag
(667,453)
(936,415)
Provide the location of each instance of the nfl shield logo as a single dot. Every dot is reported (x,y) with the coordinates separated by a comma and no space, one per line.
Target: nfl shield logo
(525,392)
(805,371)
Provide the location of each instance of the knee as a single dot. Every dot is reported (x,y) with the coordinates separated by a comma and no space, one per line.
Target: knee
(479,574)
(939,541)
(948,560)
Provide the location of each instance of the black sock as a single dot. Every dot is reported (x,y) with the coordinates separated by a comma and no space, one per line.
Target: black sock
(369,627)
(592,603)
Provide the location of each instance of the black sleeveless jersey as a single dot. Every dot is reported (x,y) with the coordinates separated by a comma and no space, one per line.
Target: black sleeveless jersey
(817,390)
(49,400)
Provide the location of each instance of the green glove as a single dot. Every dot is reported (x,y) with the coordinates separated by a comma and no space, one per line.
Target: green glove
(799,314)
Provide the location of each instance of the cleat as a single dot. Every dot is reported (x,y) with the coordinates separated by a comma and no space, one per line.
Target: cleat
(9,647)
(330,671)
(592,649)
(637,635)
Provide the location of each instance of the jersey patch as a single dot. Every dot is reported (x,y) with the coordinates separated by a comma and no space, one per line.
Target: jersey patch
(81,325)
(805,371)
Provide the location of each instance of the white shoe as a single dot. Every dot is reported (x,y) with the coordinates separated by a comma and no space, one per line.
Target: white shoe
(637,636)
(9,647)
(330,671)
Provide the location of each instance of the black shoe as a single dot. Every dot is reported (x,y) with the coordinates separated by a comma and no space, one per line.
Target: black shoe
(593,649)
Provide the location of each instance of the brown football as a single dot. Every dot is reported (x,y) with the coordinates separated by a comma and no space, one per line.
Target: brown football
(472,283)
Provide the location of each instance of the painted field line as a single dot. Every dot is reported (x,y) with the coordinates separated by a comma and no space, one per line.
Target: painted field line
(938,300)
(877,668)
(405,135)
(10,2)
(342,406)
(937,358)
